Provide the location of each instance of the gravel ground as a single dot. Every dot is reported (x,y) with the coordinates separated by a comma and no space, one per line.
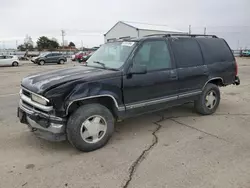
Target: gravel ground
(174,148)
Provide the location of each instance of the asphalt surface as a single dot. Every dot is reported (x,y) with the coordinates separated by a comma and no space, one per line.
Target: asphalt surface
(174,148)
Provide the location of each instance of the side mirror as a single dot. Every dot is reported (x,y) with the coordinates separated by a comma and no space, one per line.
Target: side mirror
(138,69)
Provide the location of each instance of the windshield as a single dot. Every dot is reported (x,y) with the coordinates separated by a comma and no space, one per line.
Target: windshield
(111,55)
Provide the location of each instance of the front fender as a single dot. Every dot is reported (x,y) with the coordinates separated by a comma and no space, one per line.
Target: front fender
(103,88)
(65,95)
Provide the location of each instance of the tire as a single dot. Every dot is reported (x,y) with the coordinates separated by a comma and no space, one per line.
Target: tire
(42,62)
(209,100)
(61,61)
(86,115)
(15,64)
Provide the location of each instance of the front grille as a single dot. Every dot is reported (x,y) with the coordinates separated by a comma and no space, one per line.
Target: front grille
(32,107)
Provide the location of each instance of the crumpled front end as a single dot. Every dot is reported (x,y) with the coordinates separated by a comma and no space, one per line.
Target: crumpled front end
(37,112)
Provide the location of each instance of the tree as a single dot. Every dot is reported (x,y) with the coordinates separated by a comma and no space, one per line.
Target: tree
(45,43)
(71,44)
(21,47)
(28,40)
(53,44)
(27,45)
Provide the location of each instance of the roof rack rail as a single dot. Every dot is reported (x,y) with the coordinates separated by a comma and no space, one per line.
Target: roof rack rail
(191,35)
(152,35)
(181,35)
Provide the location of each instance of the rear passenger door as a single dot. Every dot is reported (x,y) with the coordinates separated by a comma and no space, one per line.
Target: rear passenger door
(57,57)
(54,58)
(191,70)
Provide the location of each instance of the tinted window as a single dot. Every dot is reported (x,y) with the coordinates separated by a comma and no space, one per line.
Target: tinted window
(187,52)
(153,54)
(2,57)
(215,50)
(49,55)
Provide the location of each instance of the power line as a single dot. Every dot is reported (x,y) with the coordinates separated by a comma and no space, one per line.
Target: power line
(189,30)
(63,34)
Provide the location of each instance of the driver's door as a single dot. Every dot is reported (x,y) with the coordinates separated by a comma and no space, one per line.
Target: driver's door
(150,91)
(49,58)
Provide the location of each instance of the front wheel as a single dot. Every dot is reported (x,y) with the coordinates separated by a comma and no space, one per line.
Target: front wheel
(41,62)
(61,61)
(90,127)
(209,100)
(15,64)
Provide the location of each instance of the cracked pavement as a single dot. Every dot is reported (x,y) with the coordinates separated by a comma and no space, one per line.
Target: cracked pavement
(173,148)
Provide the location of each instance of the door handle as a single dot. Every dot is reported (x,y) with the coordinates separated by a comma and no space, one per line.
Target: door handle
(173,75)
(205,71)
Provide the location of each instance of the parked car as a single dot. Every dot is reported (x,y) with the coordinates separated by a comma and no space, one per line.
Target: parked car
(245,53)
(49,57)
(77,56)
(9,60)
(85,57)
(124,79)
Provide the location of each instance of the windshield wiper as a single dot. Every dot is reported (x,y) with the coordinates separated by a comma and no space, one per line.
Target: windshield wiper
(98,62)
(103,65)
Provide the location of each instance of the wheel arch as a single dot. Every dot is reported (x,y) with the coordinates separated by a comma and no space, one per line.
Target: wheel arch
(106,100)
(216,80)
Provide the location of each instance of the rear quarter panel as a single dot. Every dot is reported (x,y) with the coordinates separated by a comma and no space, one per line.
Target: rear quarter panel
(219,59)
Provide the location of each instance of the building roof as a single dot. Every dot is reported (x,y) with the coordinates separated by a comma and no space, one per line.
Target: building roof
(151,27)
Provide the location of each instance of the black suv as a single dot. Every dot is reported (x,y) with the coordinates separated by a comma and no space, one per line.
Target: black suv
(123,79)
(50,57)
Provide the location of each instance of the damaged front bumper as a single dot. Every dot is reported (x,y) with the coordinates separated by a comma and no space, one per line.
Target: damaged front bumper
(43,125)
(237,80)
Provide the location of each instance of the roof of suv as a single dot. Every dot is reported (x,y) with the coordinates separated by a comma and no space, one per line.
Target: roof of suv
(166,36)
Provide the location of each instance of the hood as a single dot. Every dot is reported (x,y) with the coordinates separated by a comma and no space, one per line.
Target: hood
(40,83)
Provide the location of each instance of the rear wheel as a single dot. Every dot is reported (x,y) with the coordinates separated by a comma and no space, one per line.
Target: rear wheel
(41,62)
(90,127)
(209,100)
(15,64)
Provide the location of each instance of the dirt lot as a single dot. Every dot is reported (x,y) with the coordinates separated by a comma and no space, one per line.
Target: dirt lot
(174,148)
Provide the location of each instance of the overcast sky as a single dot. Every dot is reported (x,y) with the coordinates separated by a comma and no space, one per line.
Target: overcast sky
(88,20)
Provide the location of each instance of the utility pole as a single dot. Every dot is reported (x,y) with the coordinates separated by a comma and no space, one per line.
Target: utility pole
(205,30)
(16,44)
(189,30)
(82,44)
(63,34)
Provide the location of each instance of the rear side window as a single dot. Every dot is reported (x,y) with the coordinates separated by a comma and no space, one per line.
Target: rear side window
(187,52)
(215,50)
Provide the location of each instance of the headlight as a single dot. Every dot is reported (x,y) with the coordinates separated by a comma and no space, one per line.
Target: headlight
(38,99)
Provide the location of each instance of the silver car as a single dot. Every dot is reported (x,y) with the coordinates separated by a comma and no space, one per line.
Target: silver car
(9,60)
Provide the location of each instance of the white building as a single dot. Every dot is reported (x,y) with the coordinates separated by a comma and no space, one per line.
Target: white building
(130,29)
